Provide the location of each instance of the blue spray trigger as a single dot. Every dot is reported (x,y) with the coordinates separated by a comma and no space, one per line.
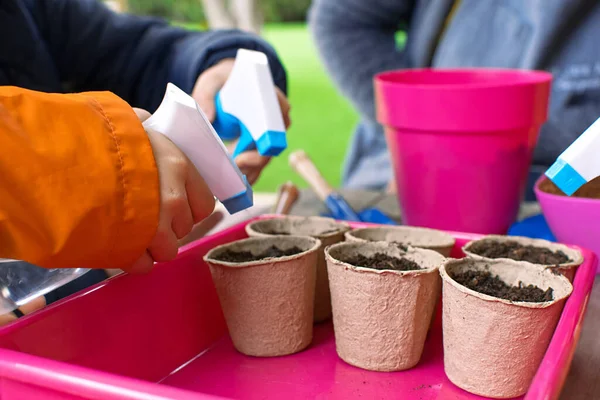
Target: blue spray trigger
(270,143)
(226,125)
(245,143)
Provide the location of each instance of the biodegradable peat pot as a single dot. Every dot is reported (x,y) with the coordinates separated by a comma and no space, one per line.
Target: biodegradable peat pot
(327,230)
(268,303)
(536,251)
(424,238)
(381,317)
(493,347)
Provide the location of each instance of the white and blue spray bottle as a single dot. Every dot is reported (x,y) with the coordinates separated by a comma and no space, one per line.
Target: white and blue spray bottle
(579,163)
(247,109)
(180,119)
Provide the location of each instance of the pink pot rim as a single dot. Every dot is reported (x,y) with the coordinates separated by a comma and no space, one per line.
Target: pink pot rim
(510,101)
(523,77)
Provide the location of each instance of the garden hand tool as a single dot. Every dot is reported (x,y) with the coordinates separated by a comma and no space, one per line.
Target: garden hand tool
(287,196)
(336,204)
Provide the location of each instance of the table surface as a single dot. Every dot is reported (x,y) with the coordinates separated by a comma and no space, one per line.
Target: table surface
(583,381)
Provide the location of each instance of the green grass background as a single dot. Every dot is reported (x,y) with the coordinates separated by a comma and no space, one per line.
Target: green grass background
(322,120)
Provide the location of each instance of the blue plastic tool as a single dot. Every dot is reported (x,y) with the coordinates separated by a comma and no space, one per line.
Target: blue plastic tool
(533,227)
(337,205)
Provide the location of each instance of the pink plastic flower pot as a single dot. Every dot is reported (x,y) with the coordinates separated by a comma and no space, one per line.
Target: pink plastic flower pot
(461,143)
(571,219)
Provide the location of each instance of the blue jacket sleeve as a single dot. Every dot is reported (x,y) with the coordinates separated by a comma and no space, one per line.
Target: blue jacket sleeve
(356,40)
(134,57)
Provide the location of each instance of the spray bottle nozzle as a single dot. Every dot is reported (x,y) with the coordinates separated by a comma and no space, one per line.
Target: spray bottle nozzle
(579,163)
(247,107)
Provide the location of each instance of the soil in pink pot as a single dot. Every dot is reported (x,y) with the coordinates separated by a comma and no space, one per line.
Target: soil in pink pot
(590,190)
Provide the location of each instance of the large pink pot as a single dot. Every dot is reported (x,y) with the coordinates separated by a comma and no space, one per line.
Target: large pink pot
(461,143)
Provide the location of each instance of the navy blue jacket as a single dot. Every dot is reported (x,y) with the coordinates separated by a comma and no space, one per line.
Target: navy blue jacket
(80,45)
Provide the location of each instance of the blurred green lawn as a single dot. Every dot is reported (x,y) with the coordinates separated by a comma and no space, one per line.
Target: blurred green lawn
(322,120)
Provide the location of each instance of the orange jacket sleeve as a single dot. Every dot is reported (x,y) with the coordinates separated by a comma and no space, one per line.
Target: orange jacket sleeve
(78,180)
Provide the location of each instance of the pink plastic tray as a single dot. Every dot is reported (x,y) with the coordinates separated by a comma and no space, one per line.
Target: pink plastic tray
(163,336)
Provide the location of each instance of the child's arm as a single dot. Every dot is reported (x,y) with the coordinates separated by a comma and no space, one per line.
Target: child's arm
(84,185)
(78,179)
(135,57)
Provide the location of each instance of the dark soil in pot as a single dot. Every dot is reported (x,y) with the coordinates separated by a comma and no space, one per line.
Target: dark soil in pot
(513,250)
(486,283)
(245,256)
(382,261)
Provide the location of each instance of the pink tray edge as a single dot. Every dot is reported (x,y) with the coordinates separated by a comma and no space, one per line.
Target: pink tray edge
(24,368)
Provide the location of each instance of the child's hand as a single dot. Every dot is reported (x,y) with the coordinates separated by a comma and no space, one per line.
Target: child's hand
(185,200)
(207,86)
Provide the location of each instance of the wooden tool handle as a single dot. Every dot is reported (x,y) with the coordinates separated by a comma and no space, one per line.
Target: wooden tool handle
(304,166)
(286,197)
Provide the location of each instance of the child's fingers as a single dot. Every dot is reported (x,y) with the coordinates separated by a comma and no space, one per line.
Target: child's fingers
(143,265)
(200,199)
(251,160)
(285,106)
(143,115)
(164,246)
(206,100)
(253,176)
(183,222)
(251,164)
(208,85)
